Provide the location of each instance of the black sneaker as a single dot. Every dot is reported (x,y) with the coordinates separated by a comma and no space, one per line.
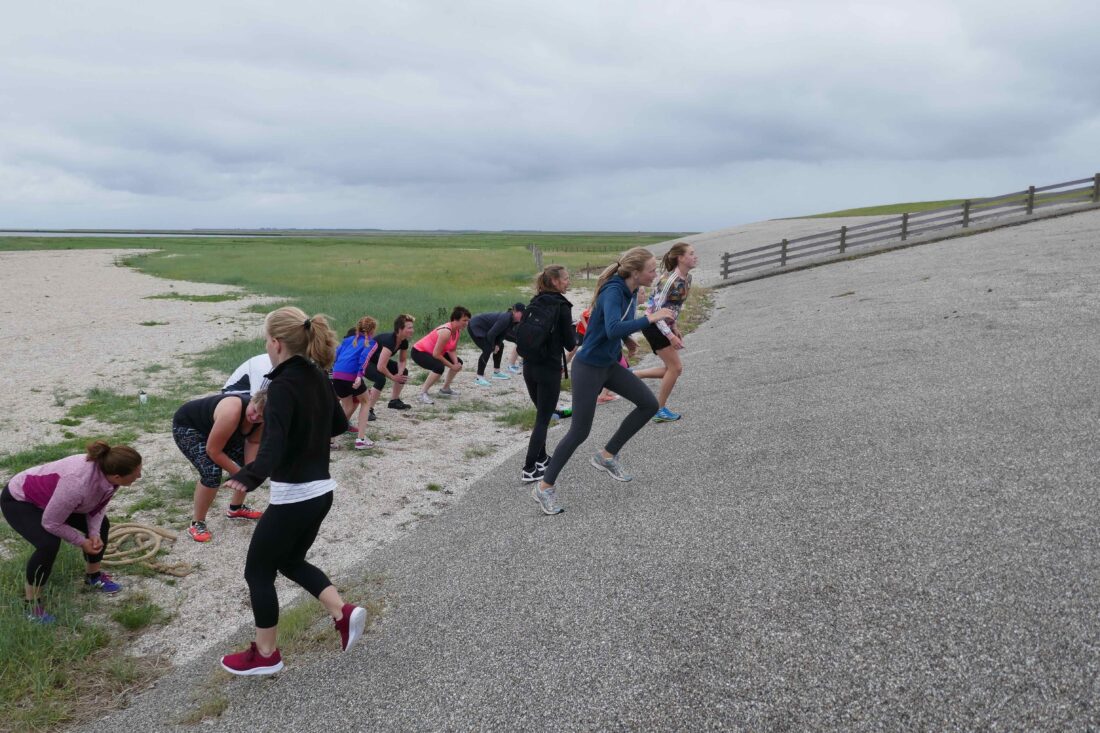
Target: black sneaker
(541,465)
(533,475)
(371,417)
(398,405)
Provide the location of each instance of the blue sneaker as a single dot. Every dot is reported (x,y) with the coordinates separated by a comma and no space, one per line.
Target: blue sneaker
(666,415)
(481,382)
(103,583)
(38,615)
(500,375)
(515,368)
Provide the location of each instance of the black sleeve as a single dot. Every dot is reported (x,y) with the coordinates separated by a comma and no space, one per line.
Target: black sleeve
(500,325)
(277,416)
(339,419)
(565,327)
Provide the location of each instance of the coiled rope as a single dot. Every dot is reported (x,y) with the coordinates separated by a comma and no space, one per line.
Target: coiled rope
(133,543)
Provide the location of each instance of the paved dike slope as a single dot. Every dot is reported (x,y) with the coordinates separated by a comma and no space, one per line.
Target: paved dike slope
(879,512)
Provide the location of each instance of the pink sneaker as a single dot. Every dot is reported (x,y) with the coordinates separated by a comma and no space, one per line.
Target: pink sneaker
(251,662)
(351,625)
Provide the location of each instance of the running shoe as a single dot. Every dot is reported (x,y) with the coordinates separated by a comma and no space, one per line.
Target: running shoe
(547,500)
(371,417)
(363,443)
(481,382)
(38,615)
(449,392)
(102,583)
(397,404)
(424,399)
(244,511)
(352,428)
(604,399)
(352,621)
(527,476)
(666,415)
(251,662)
(501,375)
(543,463)
(611,465)
(515,368)
(199,532)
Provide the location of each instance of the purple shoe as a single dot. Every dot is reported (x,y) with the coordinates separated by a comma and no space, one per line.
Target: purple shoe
(38,615)
(103,583)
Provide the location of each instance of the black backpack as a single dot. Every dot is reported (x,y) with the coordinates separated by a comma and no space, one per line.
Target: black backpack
(534,334)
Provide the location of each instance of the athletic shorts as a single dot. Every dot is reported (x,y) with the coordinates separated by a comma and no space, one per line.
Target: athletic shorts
(343,388)
(377,377)
(192,444)
(656,339)
(426,361)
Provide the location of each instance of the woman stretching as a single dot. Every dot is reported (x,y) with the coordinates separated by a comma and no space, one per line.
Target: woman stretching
(302,414)
(347,375)
(488,331)
(542,371)
(436,352)
(381,366)
(596,366)
(218,433)
(67,500)
(663,336)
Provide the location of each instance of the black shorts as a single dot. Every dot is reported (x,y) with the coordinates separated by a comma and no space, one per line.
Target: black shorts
(343,388)
(377,377)
(427,361)
(656,339)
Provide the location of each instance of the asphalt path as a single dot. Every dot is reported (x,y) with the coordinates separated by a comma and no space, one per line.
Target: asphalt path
(878,513)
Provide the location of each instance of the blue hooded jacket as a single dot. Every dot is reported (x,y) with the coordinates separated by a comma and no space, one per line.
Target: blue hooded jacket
(603,340)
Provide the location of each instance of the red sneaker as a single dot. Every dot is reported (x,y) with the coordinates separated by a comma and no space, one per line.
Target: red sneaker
(351,625)
(199,532)
(251,662)
(244,512)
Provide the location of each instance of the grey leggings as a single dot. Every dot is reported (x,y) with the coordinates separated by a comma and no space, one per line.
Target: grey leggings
(588,380)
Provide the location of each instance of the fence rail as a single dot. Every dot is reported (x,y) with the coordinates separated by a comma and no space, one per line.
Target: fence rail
(1010,207)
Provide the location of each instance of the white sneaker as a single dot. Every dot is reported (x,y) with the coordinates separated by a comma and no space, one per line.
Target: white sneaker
(449,392)
(424,399)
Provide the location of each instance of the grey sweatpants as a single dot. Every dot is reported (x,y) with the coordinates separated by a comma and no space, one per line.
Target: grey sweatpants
(588,380)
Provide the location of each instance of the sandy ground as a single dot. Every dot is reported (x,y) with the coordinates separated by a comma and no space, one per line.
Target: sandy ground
(72,321)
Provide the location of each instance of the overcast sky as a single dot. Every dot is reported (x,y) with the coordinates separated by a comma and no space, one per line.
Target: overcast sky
(685,115)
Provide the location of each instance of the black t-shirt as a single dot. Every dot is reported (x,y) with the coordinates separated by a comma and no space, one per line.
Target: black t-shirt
(386,341)
(199,414)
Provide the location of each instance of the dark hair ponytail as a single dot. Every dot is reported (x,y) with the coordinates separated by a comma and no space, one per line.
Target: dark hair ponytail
(119,460)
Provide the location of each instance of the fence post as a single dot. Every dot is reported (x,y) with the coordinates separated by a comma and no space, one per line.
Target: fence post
(905,226)
(783,254)
(725,265)
(966,214)
(843,238)
(1030,199)
(1096,189)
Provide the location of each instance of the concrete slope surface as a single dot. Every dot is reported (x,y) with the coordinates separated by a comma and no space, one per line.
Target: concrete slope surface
(878,512)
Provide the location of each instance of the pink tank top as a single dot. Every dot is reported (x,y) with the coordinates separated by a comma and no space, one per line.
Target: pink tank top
(427,344)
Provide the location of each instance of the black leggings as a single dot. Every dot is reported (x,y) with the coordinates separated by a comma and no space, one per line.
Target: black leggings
(26,519)
(544,386)
(279,543)
(588,380)
(487,349)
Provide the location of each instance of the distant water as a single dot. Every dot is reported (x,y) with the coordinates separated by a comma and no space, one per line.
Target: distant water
(22,233)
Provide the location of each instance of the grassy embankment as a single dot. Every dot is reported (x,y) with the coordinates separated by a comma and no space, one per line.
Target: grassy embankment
(51,676)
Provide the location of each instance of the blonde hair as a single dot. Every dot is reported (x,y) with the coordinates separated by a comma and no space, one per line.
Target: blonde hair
(544,281)
(119,460)
(633,260)
(365,327)
(259,399)
(303,335)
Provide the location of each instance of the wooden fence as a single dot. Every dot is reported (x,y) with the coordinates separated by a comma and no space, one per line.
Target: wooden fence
(1009,207)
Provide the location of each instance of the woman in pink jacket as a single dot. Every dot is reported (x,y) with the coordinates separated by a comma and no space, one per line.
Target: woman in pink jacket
(67,500)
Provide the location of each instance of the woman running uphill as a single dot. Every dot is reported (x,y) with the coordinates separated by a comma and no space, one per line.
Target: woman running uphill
(542,372)
(663,336)
(67,500)
(302,415)
(596,366)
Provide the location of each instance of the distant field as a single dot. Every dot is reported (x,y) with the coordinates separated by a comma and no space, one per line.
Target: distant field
(379,274)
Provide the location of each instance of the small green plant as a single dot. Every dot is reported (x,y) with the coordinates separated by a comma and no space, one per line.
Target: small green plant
(215,298)
(153,323)
(478,451)
(523,418)
(154,368)
(434,487)
(137,612)
(67,422)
